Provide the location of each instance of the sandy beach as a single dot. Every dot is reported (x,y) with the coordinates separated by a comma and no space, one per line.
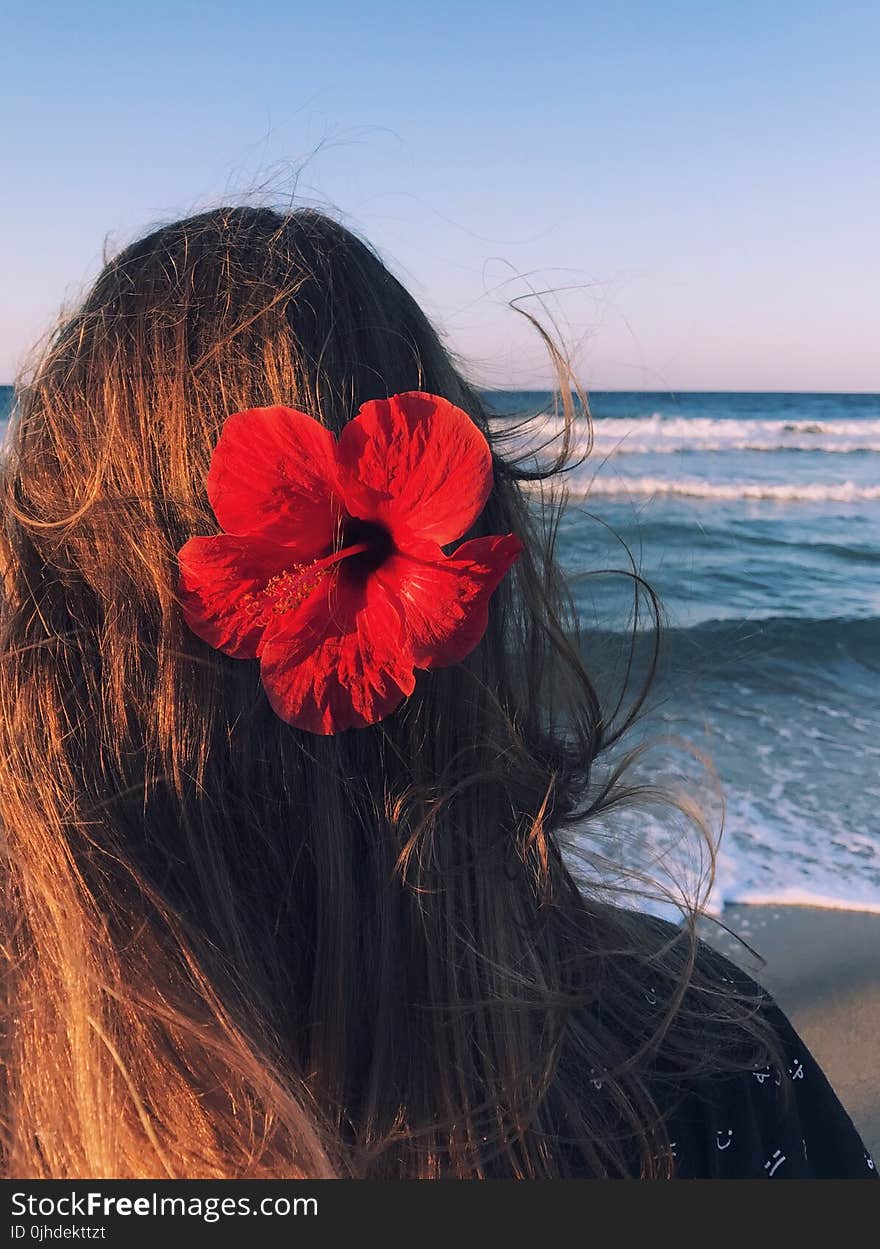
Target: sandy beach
(823,968)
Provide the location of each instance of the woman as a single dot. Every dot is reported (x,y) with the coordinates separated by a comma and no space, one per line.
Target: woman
(309,916)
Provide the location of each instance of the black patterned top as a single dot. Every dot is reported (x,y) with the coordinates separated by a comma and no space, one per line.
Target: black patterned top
(760,1122)
(744,1127)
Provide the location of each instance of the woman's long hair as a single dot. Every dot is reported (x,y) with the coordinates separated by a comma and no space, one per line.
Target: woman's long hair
(233,949)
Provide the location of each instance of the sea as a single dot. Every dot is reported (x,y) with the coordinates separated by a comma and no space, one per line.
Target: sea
(755,520)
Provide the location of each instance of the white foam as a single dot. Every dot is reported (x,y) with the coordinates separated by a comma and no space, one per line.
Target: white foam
(780,860)
(650,435)
(584,484)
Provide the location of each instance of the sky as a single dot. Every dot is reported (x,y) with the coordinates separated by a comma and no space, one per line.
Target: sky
(696,186)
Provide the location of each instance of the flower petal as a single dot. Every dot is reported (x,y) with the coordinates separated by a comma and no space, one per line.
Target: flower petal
(221,579)
(416,463)
(339,661)
(273,475)
(445,599)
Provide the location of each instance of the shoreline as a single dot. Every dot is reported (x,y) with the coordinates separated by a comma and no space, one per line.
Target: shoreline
(822,965)
(810,902)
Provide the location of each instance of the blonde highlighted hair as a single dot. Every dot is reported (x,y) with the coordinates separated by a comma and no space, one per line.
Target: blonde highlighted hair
(233,949)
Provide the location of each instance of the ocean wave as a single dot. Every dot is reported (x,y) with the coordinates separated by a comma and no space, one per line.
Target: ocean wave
(805,639)
(656,434)
(781,492)
(784,849)
(667,530)
(719,647)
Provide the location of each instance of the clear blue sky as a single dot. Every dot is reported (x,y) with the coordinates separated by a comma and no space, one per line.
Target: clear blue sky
(706,176)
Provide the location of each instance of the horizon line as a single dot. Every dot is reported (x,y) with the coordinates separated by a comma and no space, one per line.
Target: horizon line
(644,390)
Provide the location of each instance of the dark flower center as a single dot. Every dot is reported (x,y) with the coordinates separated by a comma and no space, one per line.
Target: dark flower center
(379,546)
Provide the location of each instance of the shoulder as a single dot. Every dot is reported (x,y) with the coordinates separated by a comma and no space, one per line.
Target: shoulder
(777,1116)
(781,1119)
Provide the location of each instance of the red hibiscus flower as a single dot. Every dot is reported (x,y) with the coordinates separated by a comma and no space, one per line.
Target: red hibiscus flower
(330,570)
